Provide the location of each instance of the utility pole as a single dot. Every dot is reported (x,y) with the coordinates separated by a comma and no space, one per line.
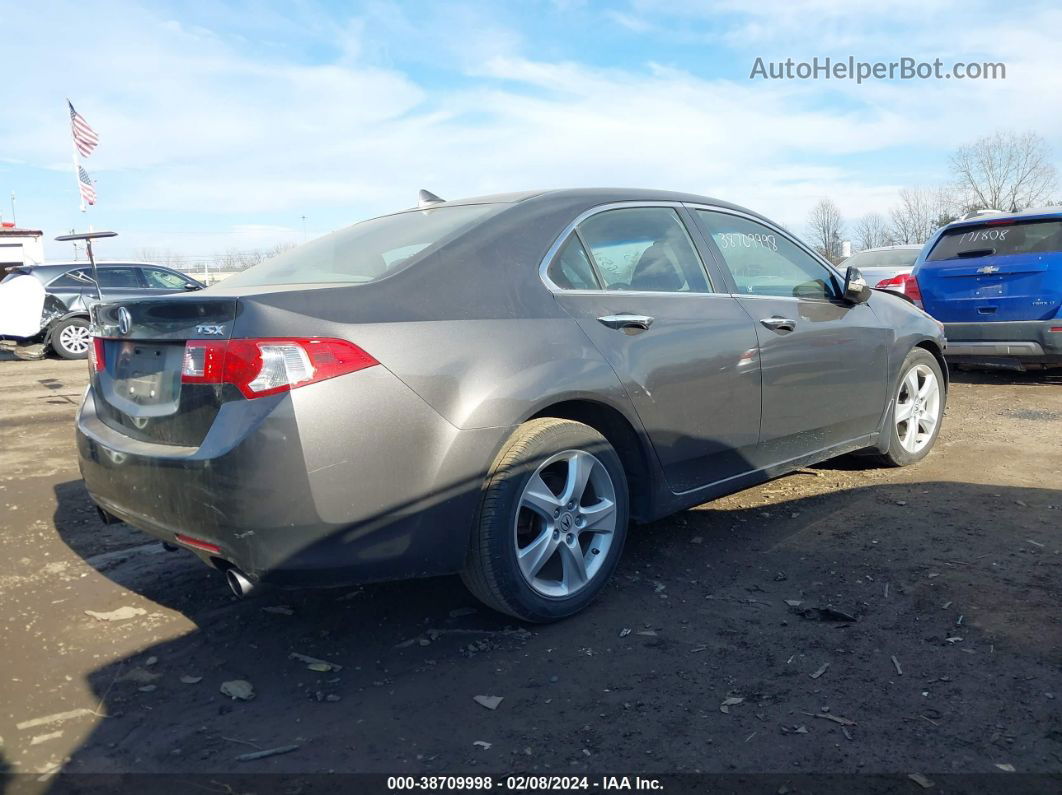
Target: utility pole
(13,208)
(304,229)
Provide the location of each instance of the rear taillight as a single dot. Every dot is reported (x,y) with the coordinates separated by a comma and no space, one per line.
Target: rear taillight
(261,367)
(97,361)
(905,283)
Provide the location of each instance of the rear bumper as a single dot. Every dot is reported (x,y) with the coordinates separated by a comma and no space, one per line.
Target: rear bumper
(349,480)
(1029,341)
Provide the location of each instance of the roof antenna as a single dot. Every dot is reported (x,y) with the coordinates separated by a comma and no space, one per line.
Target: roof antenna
(426,198)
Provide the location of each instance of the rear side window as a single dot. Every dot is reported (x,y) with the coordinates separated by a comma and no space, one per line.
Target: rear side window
(645,249)
(78,278)
(571,268)
(1028,237)
(367,251)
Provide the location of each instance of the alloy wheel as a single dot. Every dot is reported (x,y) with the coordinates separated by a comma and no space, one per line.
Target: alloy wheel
(917,408)
(565,523)
(75,338)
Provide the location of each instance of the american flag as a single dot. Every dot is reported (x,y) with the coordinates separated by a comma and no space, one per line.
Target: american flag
(88,192)
(85,137)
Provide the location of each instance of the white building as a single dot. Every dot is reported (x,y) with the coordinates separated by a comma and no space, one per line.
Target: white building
(19,247)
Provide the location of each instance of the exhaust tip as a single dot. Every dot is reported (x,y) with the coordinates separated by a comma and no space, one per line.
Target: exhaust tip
(238,582)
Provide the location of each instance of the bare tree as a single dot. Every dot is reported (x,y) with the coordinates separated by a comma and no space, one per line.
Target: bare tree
(232,259)
(159,256)
(1005,171)
(278,249)
(921,212)
(871,231)
(826,229)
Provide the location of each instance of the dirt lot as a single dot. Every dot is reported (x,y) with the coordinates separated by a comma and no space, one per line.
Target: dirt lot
(952,569)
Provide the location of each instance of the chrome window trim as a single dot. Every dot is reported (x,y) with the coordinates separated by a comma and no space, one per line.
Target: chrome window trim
(562,238)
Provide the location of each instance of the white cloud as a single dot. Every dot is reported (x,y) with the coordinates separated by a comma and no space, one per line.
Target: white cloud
(194,120)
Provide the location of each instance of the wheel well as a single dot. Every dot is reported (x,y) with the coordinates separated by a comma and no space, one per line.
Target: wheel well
(938,354)
(611,424)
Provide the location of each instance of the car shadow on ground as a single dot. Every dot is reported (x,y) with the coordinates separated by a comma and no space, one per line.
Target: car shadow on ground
(972,375)
(957,583)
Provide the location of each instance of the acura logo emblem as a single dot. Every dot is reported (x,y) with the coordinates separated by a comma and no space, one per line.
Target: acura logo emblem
(125,320)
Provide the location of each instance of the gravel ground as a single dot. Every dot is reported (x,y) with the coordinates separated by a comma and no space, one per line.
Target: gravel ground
(722,646)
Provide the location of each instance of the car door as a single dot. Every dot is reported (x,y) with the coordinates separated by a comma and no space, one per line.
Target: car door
(71,287)
(685,352)
(118,282)
(823,360)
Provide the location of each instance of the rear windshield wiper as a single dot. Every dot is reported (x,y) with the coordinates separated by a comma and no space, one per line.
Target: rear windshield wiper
(976,252)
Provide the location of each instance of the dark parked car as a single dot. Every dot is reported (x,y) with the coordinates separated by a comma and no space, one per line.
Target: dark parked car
(996,283)
(494,386)
(72,284)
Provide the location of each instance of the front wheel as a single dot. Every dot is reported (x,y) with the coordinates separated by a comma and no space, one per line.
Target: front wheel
(71,338)
(551,524)
(917,409)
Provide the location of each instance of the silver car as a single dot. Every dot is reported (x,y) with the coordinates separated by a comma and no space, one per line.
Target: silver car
(886,267)
(494,387)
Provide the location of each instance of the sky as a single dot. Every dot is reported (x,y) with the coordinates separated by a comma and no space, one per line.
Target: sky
(239,125)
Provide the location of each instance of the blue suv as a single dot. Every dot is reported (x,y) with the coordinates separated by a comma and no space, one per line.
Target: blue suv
(995,282)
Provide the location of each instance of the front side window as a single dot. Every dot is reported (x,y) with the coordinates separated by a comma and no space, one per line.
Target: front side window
(119,277)
(366,251)
(164,280)
(646,249)
(763,262)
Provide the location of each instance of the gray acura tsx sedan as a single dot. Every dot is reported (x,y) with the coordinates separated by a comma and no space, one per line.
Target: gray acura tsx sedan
(494,386)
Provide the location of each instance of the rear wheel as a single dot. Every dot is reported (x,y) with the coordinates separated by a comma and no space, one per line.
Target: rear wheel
(917,409)
(71,338)
(552,522)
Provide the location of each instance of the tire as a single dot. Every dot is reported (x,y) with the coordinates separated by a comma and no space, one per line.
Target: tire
(901,452)
(524,556)
(71,339)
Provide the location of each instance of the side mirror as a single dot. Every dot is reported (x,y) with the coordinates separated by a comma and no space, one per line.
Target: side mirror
(856,289)
(191,286)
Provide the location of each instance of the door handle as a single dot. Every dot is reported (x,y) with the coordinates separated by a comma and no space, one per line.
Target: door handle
(779,323)
(641,322)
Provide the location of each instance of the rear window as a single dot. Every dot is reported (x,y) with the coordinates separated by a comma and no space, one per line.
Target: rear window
(11,274)
(367,251)
(1026,237)
(890,258)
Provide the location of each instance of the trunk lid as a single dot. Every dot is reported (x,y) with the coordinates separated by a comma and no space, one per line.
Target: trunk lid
(138,385)
(994,271)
